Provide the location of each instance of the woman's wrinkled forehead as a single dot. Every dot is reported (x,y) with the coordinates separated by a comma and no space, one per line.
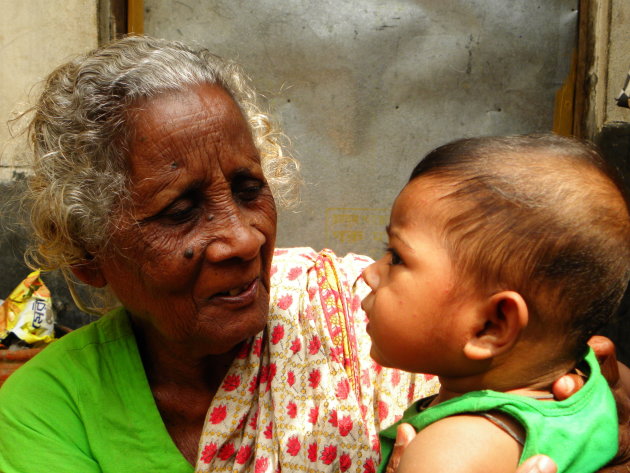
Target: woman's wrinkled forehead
(185,128)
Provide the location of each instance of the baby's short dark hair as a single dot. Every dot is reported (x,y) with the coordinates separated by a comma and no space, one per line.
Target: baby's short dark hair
(542,215)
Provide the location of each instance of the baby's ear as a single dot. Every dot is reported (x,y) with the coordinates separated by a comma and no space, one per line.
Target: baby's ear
(89,272)
(503,317)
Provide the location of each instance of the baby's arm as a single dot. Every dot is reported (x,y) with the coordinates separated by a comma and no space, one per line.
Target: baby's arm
(462,443)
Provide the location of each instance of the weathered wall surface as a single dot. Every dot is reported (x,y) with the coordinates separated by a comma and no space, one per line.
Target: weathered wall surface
(618,59)
(365,89)
(614,134)
(35,36)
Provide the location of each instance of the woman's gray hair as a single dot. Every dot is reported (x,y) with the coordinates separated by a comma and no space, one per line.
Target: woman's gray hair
(79,133)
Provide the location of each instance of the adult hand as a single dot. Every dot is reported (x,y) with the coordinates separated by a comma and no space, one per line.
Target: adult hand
(616,374)
(404,434)
(618,377)
(537,464)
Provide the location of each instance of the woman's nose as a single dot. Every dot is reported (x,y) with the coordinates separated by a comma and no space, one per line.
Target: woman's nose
(238,238)
(370,275)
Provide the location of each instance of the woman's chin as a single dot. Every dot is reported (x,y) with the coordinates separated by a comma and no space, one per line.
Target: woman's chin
(221,338)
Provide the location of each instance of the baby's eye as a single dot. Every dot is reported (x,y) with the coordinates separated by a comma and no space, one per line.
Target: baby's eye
(394,258)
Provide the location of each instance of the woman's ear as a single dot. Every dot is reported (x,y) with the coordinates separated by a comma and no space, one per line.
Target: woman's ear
(500,322)
(89,272)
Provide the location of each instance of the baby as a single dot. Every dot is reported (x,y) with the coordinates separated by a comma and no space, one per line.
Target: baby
(505,255)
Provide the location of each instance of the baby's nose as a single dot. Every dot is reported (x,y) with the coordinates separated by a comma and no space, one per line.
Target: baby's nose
(370,276)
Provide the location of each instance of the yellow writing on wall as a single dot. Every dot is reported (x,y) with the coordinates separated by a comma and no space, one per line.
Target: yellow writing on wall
(357,230)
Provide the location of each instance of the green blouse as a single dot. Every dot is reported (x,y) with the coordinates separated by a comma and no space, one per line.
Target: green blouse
(579,433)
(84,405)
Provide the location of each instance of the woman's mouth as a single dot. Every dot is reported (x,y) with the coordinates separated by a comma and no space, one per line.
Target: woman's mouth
(234,292)
(239,295)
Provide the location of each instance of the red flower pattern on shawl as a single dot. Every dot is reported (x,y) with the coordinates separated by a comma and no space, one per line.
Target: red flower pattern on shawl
(345,462)
(345,425)
(365,377)
(241,422)
(293,446)
(226,451)
(294,273)
(313,414)
(269,430)
(232,381)
(395,378)
(253,384)
(285,301)
(314,353)
(383,409)
(218,414)
(314,345)
(243,454)
(314,378)
(376,445)
(296,345)
(254,421)
(343,389)
(329,454)
(332,420)
(208,453)
(242,353)
(312,452)
(277,333)
(290,378)
(369,466)
(262,464)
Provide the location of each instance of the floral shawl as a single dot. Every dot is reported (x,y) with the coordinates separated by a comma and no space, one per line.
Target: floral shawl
(304,394)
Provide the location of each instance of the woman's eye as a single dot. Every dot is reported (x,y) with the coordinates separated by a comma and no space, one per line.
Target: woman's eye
(180,212)
(247,190)
(180,215)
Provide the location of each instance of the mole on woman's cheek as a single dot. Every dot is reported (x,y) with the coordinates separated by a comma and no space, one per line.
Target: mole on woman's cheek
(188,253)
(174,165)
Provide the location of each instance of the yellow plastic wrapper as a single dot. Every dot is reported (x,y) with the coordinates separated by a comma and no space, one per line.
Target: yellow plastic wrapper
(28,312)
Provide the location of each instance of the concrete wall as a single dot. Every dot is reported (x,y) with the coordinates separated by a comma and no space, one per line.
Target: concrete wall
(35,36)
(618,59)
(609,123)
(365,88)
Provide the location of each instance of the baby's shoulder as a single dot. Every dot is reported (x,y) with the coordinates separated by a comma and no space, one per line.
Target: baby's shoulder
(461,443)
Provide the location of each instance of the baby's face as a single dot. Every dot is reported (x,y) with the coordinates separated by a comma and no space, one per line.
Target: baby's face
(417,313)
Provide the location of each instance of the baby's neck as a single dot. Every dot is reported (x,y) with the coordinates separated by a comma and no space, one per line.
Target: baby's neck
(525,380)
(544,393)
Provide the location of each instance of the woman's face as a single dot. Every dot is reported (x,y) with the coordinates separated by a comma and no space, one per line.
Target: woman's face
(190,255)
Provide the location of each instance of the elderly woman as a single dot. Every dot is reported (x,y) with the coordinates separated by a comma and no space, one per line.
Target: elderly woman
(154,178)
